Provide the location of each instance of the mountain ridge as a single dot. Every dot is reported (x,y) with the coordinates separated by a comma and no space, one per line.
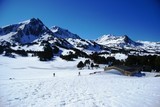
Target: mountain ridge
(34,31)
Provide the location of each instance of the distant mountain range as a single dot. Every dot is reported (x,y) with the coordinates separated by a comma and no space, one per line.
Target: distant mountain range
(29,35)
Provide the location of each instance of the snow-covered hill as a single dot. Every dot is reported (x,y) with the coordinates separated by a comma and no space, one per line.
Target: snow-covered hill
(27,82)
(24,32)
(114,41)
(63,33)
(31,32)
(76,41)
(124,42)
(150,46)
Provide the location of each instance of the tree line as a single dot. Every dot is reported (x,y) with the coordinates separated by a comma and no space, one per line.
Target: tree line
(147,62)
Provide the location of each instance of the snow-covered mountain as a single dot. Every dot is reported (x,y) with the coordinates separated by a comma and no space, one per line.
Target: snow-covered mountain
(76,41)
(150,46)
(24,32)
(63,33)
(117,41)
(30,31)
(124,42)
(31,34)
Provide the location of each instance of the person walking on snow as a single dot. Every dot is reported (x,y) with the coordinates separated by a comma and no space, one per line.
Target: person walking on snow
(53,74)
(79,73)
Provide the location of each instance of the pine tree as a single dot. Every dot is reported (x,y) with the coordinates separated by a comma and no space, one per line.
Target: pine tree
(80,65)
(157,63)
(92,65)
(47,54)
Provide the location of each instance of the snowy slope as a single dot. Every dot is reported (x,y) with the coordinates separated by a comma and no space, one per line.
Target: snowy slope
(29,34)
(63,33)
(75,40)
(113,41)
(33,32)
(150,46)
(118,56)
(124,42)
(27,82)
(24,32)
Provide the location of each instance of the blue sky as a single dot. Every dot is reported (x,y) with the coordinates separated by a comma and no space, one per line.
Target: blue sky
(139,19)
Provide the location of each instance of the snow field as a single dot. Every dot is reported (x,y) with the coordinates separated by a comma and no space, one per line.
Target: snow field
(34,86)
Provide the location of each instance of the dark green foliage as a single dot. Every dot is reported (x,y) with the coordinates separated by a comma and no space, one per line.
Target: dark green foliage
(8,52)
(157,64)
(157,76)
(72,55)
(131,60)
(147,62)
(80,53)
(20,52)
(80,65)
(1,49)
(69,57)
(87,62)
(98,59)
(111,60)
(47,54)
(96,66)
(147,68)
(9,55)
(101,60)
(119,62)
(140,60)
(157,61)
(92,65)
(103,53)
(55,50)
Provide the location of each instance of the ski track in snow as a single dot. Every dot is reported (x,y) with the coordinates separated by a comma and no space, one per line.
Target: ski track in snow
(78,91)
(30,84)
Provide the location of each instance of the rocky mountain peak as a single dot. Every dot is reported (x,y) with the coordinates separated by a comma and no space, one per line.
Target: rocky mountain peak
(63,33)
(34,31)
(118,41)
(24,32)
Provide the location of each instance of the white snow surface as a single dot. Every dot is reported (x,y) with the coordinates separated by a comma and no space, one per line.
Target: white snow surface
(27,82)
(35,47)
(119,42)
(118,56)
(7,37)
(63,33)
(110,39)
(150,46)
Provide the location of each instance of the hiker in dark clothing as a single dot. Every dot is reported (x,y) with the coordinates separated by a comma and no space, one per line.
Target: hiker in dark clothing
(79,73)
(53,74)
